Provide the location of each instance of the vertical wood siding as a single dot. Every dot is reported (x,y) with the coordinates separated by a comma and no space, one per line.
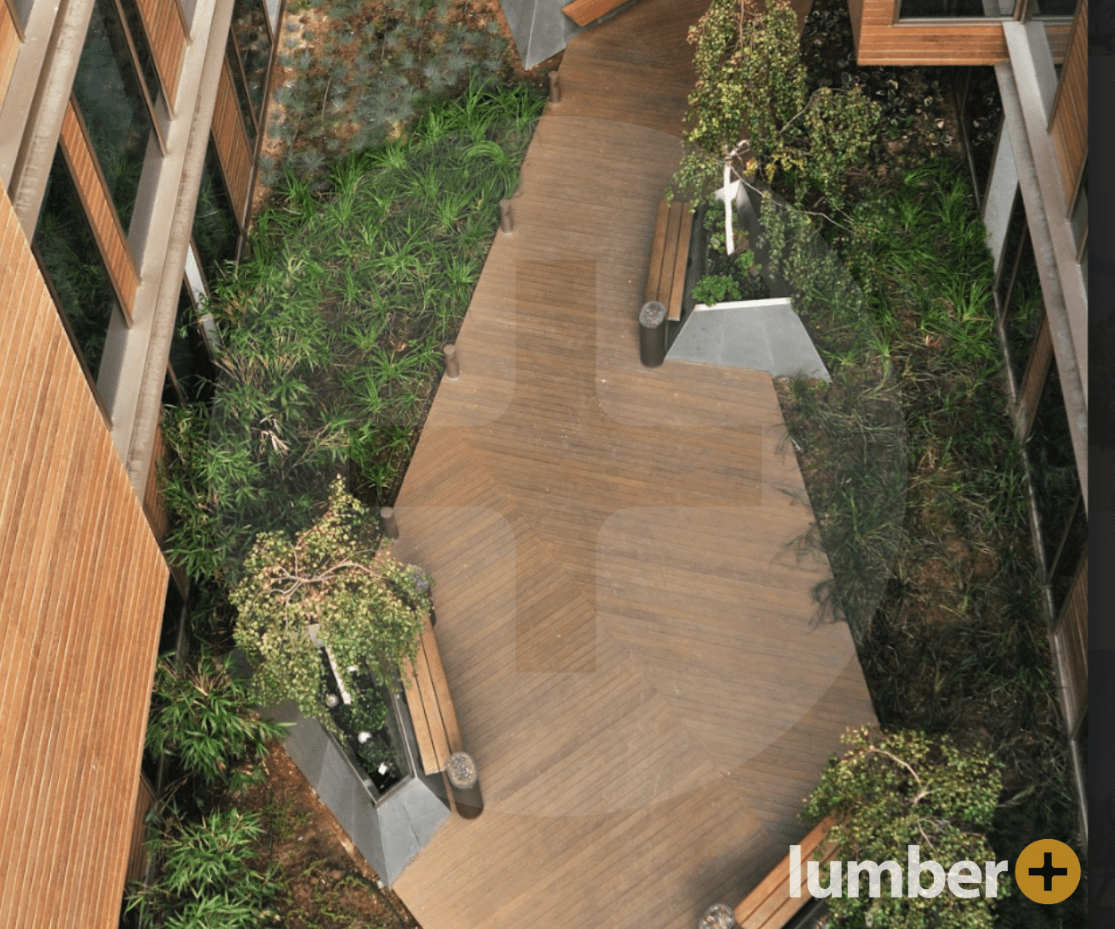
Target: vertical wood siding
(1068,128)
(102,214)
(1072,637)
(153,504)
(882,40)
(168,36)
(232,144)
(137,852)
(80,610)
(9,47)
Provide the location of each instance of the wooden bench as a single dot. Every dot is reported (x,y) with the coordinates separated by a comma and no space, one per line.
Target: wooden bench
(583,12)
(770,906)
(431,706)
(669,256)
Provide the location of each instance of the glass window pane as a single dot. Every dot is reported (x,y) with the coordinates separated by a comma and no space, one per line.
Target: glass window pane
(70,259)
(949,9)
(1049,448)
(1024,311)
(249,25)
(112,104)
(1041,9)
(189,358)
(148,71)
(215,228)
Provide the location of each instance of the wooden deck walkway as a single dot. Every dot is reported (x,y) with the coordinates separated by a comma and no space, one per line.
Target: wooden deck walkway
(629,644)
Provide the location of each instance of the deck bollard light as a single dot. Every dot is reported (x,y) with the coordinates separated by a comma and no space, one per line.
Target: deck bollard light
(452,364)
(465,781)
(718,916)
(390,526)
(506,224)
(652,333)
(555,89)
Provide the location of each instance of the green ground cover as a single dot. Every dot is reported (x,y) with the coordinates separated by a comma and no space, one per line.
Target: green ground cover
(332,328)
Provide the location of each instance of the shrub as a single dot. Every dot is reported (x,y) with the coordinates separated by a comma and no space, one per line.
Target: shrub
(209,877)
(367,608)
(201,715)
(716,288)
(889,791)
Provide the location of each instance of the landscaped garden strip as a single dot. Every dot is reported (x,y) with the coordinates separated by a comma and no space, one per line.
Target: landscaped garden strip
(332,329)
(954,641)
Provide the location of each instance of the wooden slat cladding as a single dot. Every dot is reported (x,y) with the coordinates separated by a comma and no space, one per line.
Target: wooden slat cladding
(232,144)
(881,40)
(153,504)
(1033,381)
(168,37)
(103,219)
(80,612)
(137,851)
(1068,128)
(10,42)
(1072,637)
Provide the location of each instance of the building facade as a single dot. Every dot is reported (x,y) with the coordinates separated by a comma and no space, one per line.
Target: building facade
(1033,196)
(129,131)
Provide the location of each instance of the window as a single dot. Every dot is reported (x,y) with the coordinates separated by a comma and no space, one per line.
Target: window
(113,106)
(191,371)
(1020,299)
(250,42)
(71,263)
(957,9)
(215,228)
(1053,468)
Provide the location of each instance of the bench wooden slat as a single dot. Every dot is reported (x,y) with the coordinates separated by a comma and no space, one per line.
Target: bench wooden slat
(669,257)
(769,905)
(431,706)
(681,260)
(669,263)
(657,250)
(583,12)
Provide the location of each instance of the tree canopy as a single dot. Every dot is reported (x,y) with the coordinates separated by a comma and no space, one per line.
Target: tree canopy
(368,609)
(752,107)
(893,790)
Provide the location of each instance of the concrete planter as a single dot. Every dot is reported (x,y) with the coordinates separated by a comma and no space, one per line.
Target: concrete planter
(390,828)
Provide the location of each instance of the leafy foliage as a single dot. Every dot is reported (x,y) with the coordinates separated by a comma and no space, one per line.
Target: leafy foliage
(332,330)
(716,288)
(368,609)
(202,716)
(210,877)
(751,108)
(889,791)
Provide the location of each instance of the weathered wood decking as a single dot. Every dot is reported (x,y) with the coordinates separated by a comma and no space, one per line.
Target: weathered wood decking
(628,641)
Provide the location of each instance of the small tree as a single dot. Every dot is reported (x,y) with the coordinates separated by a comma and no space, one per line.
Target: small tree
(892,790)
(367,608)
(751,110)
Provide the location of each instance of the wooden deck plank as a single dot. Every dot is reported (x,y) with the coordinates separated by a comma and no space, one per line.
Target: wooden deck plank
(629,641)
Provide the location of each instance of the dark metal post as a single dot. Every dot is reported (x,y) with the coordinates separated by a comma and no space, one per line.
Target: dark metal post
(506,225)
(390,526)
(452,365)
(555,89)
(465,781)
(652,333)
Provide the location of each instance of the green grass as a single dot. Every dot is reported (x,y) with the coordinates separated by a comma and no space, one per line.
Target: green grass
(332,327)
